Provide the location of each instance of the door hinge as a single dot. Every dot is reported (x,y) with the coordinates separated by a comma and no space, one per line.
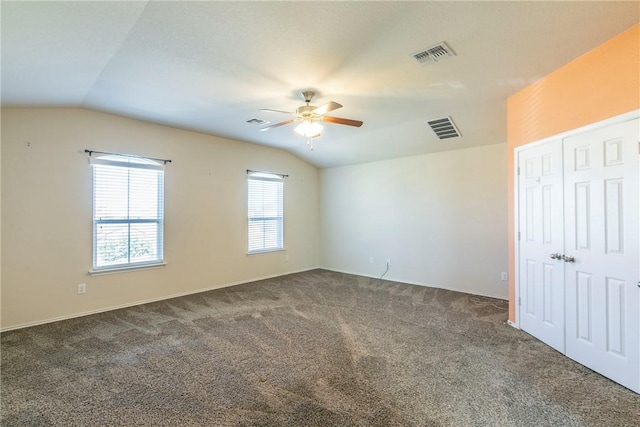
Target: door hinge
(519,301)
(518,236)
(518,170)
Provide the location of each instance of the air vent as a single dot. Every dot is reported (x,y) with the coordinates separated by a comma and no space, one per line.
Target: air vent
(255,121)
(444,128)
(434,54)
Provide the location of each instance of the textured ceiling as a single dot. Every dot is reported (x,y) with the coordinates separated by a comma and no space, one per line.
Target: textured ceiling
(210,66)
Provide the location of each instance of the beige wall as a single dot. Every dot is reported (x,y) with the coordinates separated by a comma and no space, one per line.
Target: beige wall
(439,218)
(47,210)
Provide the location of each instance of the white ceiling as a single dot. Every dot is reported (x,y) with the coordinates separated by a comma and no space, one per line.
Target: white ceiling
(210,66)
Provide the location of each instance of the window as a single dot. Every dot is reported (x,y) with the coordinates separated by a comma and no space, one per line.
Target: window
(265,212)
(128,211)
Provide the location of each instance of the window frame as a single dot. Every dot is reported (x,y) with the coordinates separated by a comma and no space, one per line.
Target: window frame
(129,163)
(280,238)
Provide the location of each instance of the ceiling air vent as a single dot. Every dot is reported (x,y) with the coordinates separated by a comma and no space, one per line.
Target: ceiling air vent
(444,128)
(255,121)
(434,54)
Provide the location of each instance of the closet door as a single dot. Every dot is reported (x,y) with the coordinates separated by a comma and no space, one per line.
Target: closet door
(541,272)
(601,251)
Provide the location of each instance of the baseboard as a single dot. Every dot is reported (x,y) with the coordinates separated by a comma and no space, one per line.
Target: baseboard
(147,301)
(410,282)
(226,285)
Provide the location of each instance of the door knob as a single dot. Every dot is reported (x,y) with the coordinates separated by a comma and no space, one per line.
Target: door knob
(568,258)
(556,256)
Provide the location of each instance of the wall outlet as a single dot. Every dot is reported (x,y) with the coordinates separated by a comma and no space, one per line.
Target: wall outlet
(82,288)
(286,257)
(370,260)
(503,276)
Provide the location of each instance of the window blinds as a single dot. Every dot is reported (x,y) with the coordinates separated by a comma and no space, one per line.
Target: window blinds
(265,212)
(128,211)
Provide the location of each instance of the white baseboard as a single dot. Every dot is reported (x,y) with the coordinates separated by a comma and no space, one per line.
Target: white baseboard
(147,301)
(226,285)
(411,282)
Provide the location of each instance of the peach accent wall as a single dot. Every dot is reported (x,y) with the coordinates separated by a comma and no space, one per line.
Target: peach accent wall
(602,83)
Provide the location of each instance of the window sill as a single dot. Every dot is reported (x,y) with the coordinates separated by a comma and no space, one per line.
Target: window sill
(266,251)
(125,269)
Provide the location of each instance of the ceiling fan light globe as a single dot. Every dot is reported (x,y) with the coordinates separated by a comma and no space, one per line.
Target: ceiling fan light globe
(309,129)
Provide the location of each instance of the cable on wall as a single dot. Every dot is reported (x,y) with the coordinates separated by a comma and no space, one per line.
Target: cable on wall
(385,272)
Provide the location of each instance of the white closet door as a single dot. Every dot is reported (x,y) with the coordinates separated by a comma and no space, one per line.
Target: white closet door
(541,272)
(601,233)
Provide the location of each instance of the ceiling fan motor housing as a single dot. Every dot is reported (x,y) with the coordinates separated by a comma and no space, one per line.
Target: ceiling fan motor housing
(305,110)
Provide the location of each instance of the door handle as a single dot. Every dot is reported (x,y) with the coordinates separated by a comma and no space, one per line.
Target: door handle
(556,256)
(568,258)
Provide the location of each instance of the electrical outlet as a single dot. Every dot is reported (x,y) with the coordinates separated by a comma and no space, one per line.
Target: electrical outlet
(286,257)
(503,276)
(82,288)
(370,260)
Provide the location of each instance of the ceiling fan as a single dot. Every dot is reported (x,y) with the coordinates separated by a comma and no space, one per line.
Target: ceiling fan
(310,117)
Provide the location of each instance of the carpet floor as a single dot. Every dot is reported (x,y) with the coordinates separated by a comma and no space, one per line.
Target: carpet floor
(311,349)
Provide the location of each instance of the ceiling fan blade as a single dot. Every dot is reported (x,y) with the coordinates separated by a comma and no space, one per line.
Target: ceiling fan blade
(341,121)
(269,110)
(324,109)
(286,122)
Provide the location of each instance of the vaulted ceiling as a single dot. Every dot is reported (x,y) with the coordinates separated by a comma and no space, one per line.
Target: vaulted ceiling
(211,66)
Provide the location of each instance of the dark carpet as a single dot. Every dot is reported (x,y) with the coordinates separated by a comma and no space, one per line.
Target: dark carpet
(312,349)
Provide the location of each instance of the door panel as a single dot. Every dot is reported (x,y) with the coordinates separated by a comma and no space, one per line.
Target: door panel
(584,302)
(616,316)
(601,233)
(613,210)
(582,222)
(540,216)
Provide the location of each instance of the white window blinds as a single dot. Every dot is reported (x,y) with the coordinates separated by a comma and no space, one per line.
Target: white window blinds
(265,212)
(128,211)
